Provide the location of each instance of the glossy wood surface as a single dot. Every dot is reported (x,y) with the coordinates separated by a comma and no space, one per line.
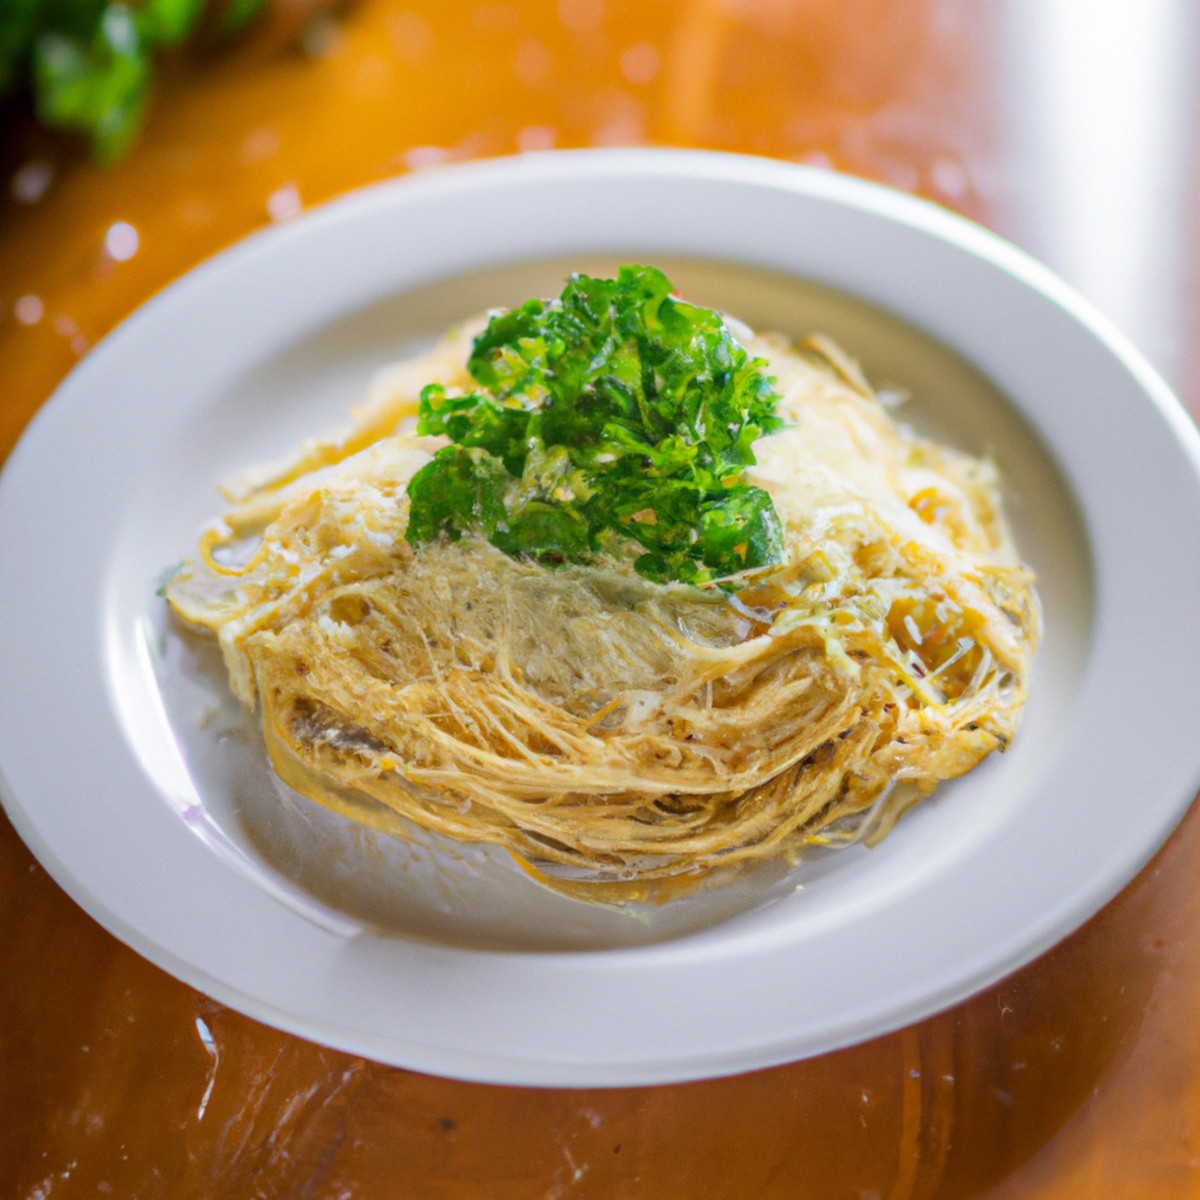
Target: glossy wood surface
(1079,1077)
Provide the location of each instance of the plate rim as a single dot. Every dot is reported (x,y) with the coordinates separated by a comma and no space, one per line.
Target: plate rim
(464,179)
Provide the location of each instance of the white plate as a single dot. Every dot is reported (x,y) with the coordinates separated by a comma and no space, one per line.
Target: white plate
(141,790)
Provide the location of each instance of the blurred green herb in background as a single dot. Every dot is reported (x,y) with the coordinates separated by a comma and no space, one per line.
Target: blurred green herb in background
(89,63)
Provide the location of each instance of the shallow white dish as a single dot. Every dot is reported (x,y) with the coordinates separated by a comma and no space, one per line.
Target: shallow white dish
(126,772)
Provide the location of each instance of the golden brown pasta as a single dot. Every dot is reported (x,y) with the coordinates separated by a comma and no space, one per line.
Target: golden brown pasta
(610,731)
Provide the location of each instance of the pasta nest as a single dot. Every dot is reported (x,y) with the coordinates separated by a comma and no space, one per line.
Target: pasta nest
(624,738)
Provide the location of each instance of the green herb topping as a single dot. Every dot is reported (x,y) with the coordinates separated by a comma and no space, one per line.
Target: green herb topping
(616,420)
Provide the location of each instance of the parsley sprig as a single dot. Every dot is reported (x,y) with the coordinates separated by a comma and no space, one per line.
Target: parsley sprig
(615,420)
(90,63)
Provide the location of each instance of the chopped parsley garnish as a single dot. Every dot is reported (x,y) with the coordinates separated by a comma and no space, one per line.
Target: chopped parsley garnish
(616,420)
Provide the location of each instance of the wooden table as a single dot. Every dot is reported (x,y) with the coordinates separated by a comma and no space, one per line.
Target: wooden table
(1078,1077)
